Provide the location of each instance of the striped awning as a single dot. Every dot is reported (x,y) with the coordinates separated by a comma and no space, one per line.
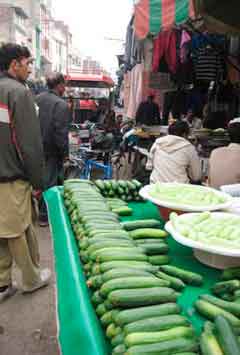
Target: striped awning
(153,16)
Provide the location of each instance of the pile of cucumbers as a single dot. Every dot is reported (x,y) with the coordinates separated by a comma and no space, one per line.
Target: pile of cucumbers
(134,291)
(123,189)
(222,308)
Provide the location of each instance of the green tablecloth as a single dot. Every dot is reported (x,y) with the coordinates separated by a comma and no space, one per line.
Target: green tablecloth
(79,329)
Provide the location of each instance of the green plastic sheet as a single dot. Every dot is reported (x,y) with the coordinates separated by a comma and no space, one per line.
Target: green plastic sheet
(80,331)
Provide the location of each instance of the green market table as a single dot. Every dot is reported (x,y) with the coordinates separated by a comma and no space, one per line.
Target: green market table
(79,329)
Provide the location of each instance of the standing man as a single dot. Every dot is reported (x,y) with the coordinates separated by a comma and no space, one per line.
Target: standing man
(55,118)
(148,113)
(21,161)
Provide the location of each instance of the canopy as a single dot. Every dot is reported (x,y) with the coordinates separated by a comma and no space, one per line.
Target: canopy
(153,16)
(219,16)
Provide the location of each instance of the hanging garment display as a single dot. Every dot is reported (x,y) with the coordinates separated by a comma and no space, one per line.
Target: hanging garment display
(136,90)
(165,49)
(209,65)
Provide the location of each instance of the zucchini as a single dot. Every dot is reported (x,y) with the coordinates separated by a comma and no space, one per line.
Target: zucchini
(155,249)
(159,259)
(143,223)
(231,273)
(189,277)
(226,286)
(226,337)
(140,338)
(143,242)
(108,235)
(132,282)
(175,283)
(123,272)
(169,347)
(95,282)
(209,344)
(137,184)
(141,296)
(132,315)
(211,311)
(148,233)
(228,306)
(140,265)
(156,324)
(108,305)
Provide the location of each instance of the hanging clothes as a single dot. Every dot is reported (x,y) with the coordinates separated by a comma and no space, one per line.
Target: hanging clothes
(165,49)
(209,65)
(185,40)
(136,90)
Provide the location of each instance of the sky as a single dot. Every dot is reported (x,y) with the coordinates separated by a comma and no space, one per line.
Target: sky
(93,22)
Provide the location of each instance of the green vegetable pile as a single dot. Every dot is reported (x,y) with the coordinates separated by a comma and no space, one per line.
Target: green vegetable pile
(208,229)
(134,290)
(181,194)
(124,189)
(222,308)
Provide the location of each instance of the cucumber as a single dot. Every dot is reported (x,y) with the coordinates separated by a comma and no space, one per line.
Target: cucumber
(95,282)
(148,233)
(113,331)
(137,184)
(226,337)
(107,318)
(109,244)
(226,286)
(120,349)
(140,338)
(123,211)
(101,310)
(108,234)
(232,307)
(211,311)
(143,223)
(132,315)
(141,296)
(144,242)
(103,267)
(159,259)
(120,256)
(155,249)
(156,324)
(123,272)
(169,347)
(132,282)
(108,305)
(117,340)
(96,298)
(231,273)
(175,283)
(209,344)
(186,276)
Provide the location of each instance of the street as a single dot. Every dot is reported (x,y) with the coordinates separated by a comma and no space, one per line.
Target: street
(28,322)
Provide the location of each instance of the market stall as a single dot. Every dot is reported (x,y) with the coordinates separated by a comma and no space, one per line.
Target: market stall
(80,330)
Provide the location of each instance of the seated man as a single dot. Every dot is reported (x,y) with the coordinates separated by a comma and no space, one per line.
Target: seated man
(224,163)
(173,158)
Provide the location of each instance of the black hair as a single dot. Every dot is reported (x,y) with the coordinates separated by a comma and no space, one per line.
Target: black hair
(10,52)
(234,132)
(54,79)
(179,128)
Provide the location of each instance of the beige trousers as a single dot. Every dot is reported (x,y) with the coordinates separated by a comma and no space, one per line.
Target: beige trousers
(25,252)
